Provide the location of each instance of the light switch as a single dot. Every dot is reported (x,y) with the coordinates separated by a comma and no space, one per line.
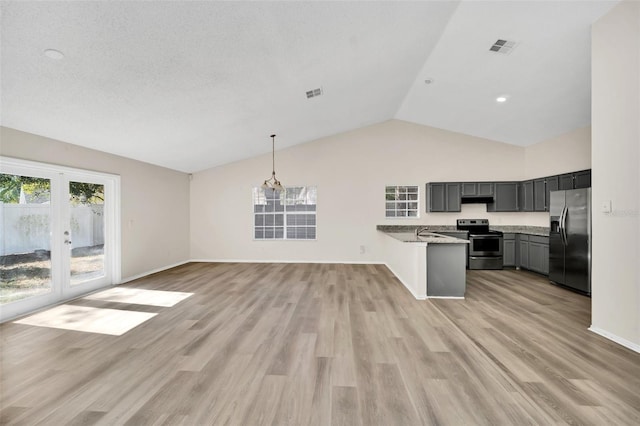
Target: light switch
(606,206)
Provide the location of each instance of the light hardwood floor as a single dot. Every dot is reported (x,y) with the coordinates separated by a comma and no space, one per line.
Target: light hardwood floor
(318,344)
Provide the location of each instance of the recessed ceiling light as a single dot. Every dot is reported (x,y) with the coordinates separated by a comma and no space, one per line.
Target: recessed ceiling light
(54,54)
(501,99)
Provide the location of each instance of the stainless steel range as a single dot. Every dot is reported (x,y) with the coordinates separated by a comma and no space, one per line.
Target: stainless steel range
(485,246)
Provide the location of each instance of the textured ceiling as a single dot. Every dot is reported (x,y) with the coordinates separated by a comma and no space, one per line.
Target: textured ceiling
(192,85)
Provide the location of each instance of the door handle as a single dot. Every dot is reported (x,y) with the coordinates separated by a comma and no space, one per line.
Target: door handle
(563,225)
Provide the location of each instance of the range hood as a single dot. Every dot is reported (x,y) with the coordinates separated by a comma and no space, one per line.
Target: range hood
(476,199)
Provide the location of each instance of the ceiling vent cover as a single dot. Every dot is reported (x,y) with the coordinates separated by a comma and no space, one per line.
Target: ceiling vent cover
(503,46)
(313,93)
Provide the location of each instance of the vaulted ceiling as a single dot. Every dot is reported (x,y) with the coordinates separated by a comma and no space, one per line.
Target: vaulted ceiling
(193,85)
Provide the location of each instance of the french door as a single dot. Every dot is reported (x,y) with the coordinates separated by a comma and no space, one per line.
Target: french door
(60,234)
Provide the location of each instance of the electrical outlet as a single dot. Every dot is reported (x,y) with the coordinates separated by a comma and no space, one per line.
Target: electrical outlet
(606,206)
(362,249)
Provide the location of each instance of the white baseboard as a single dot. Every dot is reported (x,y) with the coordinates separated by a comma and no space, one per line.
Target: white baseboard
(446,297)
(617,339)
(154,271)
(342,262)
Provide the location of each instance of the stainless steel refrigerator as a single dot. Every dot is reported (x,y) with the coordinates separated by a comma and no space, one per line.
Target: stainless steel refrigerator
(570,239)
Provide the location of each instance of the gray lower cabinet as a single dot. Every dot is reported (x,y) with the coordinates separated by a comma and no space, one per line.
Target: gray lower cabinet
(509,250)
(443,197)
(463,235)
(534,253)
(536,257)
(505,197)
(446,272)
(523,251)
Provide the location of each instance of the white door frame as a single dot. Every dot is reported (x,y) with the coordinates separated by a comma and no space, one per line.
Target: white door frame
(61,290)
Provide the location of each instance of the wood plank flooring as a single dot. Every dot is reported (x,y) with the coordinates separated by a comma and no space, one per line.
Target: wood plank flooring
(319,344)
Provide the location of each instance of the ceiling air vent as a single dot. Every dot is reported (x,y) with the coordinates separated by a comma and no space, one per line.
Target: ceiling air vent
(313,93)
(503,46)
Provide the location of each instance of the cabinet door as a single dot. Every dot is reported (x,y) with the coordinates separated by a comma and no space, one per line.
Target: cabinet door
(539,195)
(552,184)
(582,179)
(527,196)
(524,254)
(509,253)
(505,197)
(566,181)
(437,197)
(545,259)
(485,189)
(453,197)
(536,257)
(469,189)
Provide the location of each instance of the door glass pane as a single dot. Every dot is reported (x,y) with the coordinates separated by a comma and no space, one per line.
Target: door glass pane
(25,244)
(86,230)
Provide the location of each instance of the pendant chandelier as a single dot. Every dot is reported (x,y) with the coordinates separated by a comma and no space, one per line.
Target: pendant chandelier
(272,182)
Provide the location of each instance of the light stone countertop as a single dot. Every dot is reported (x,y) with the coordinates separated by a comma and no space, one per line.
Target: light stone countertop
(428,238)
(518,229)
(507,229)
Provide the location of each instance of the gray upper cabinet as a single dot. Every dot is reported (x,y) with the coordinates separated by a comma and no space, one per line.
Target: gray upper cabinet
(539,195)
(476,189)
(582,179)
(453,197)
(436,195)
(526,196)
(469,189)
(566,181)
(443,197)
(485,189)
(552,184)
(505,197)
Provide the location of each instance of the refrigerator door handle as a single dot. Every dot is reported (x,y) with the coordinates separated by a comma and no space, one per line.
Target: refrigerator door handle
(563,225)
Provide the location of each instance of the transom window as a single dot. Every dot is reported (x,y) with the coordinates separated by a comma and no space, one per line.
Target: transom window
(401,201)
(285,215)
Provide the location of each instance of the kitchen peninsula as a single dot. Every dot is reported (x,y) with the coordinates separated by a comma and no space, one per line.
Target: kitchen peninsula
(430,265)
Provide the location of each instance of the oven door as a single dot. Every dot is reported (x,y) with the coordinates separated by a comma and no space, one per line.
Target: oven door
(485,245)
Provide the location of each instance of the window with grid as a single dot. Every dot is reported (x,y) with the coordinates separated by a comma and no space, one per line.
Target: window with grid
(401,201)
(285,215)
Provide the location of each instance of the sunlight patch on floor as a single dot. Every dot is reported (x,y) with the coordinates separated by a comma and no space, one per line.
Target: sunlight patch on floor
(139,296)
(92,320)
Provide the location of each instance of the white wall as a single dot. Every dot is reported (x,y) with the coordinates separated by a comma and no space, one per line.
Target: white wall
(566,153)
(350,171)
(616,159)
(154,204)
